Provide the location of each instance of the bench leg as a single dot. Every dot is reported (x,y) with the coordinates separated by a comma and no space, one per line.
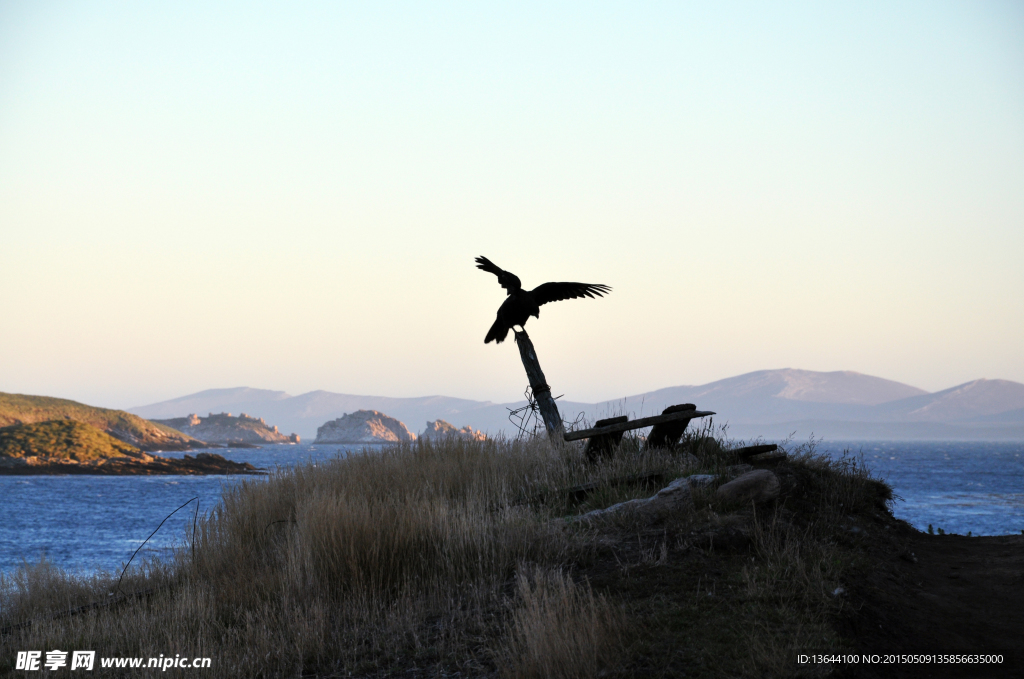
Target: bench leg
(667,435)
(603,445)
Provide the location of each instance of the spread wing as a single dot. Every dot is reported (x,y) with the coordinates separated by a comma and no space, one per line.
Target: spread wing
(509,281)
(555,292)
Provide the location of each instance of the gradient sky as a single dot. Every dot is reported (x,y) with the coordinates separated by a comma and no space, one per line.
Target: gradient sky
(290,195)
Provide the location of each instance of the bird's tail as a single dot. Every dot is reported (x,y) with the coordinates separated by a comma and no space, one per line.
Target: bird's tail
(497,333)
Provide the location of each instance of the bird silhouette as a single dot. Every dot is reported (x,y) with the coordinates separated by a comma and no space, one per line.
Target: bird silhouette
(521,304)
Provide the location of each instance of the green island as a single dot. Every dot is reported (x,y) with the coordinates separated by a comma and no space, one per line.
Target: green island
(45,436)
(525,559)
(132,429)
(69,447)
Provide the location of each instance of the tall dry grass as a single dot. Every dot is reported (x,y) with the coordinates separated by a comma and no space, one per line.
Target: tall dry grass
(372,564)
(559,629)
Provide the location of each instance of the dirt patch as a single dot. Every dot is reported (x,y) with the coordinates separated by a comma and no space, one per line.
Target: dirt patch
(941,594)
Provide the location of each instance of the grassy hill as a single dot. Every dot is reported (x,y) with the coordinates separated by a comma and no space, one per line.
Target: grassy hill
(63,439)
(458,557)
(69,447)
(132,429)
(477,559)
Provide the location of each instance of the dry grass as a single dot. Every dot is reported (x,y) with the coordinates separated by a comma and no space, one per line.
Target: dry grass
(61,439)
(789,586)
(372,564)
(558,629)
(432,559)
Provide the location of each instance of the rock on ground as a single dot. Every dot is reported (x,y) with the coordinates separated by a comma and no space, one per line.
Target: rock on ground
(759,485)
(702,480)
(672,498)
(364,426)
(439,429)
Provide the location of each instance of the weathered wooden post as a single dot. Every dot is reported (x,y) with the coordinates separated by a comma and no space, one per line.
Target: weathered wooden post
(540,388)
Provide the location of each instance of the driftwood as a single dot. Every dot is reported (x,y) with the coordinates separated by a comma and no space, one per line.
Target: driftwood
(539,386)
(685,415)
(675,497)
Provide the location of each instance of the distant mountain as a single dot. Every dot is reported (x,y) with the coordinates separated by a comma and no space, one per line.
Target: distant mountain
(805,386)
(774,395)
(240,399)
(837,405)
(977,401)
(845,405)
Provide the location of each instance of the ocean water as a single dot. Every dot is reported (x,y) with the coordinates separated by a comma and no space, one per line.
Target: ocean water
(89,523)
(959,486)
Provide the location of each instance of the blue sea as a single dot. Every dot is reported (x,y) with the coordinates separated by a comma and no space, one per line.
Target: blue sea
(89,523)
(960,486)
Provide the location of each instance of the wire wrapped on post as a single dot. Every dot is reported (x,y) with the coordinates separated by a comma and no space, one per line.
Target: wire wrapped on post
(539,385)
(522,417)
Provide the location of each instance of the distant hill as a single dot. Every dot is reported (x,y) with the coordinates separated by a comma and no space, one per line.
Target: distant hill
(775,395)
(132,429)
(225,428)
(71,447)
(802,386)
(977,401)
(237,400)
(846,405)
(770,403)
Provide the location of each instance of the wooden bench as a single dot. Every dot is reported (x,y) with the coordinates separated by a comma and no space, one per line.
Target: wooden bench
(666,431)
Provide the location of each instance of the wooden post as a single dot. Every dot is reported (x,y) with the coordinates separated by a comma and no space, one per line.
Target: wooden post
(540,388)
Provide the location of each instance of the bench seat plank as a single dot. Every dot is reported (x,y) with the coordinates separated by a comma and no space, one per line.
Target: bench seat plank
(635,424)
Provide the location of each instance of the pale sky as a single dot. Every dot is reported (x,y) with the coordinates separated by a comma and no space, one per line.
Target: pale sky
(290,195)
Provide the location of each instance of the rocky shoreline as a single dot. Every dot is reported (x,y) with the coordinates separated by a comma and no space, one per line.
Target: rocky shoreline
(139,464)
(439,430)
